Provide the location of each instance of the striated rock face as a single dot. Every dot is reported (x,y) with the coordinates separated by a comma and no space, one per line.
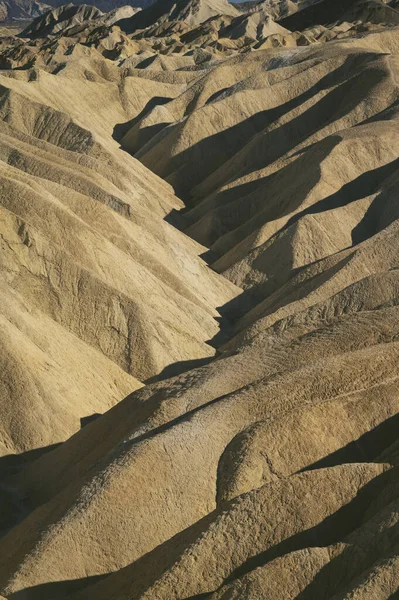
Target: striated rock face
(26,10)
(69,19)
(199,268)
(191,12)
(21,9)
(61,19)
(81,220)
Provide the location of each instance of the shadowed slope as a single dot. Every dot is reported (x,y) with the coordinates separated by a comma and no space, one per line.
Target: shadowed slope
(86,254)
(269,470)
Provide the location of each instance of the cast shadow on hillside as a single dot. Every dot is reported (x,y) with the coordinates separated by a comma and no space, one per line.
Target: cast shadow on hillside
(89,419)
(317,14)
(242,305)
(216,150)
(344,569)
(121,129)
(178,368)
(330,531)
(253,197)
(221,147)
(12,463)
(365,185)
(241,210)
(367,448)
(57,589)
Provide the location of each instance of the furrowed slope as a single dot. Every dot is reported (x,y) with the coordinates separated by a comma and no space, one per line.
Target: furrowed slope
(282,155)
(319,395)
(86,251)
(269,470)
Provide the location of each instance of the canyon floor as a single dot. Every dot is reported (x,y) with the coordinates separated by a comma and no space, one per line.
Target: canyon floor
(199,294)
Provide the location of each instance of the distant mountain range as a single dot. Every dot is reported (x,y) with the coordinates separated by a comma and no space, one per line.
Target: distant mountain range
(28,9)
(278,9)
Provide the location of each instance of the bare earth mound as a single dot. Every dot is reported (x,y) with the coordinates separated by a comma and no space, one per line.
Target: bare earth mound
(199,306)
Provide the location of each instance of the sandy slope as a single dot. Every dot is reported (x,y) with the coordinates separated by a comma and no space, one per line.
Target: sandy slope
(268,470)
(81,220)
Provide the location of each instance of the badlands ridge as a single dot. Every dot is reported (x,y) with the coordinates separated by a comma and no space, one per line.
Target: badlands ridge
(199,232)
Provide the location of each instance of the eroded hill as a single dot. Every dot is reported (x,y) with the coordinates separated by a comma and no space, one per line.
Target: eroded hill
(198,215)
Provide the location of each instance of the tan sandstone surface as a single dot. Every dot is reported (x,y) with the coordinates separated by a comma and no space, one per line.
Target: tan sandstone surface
(199,315)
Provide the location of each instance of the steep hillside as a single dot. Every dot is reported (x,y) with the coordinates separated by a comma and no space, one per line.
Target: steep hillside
(199,260)
(81,220)
(11,10)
